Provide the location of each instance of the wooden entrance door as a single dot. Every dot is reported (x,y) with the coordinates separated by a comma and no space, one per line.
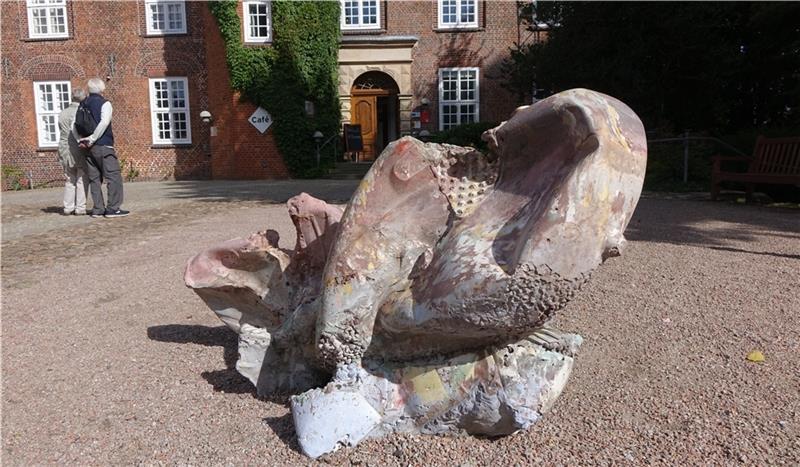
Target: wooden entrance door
(364,112)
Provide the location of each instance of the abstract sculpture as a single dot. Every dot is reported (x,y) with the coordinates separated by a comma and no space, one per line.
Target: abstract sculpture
(424,305)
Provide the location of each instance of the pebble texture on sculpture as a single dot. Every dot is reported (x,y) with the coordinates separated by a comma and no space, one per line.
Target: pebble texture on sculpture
(427,299)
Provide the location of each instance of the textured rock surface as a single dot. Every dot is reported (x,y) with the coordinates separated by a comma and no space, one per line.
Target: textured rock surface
(427,298)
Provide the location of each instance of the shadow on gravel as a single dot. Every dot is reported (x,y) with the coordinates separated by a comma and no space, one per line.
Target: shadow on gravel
(53,210)
(711,224)
(227,380)
(283,427)
(267,191)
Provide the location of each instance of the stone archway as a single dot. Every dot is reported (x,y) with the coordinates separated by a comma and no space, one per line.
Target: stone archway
(374,105)
(391,57)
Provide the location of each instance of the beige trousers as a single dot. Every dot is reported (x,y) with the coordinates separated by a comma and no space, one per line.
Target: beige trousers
(75,190)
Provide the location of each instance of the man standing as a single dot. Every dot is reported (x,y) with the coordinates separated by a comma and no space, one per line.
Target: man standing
(72,158)
(102,161)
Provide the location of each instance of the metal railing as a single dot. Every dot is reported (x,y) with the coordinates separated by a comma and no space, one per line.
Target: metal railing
(685,138)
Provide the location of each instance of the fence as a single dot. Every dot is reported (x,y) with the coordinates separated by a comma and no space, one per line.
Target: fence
(685,139)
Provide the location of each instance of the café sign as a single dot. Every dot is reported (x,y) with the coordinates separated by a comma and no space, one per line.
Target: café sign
(261,119)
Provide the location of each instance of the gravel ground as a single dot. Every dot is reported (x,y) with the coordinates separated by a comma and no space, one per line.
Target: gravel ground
(108,359)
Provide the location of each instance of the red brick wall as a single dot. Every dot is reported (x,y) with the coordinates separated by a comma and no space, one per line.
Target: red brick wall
(485,47)
(239,150)
(99,30)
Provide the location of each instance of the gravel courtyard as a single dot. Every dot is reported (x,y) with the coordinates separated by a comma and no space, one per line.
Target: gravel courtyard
(107,358)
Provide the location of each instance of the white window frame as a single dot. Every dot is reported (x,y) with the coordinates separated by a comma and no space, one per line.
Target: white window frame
(459,24)
(153,31)
(360,9)
(154,109)
(48,6)
(58,106)
(476,101)
(248,37)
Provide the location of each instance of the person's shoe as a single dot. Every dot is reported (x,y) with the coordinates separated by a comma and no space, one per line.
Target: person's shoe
(68,213)
(97,214)
(80,213)
(117,213)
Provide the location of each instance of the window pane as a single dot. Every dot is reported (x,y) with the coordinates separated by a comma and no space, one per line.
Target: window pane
(467,11)
(157,17)
(178,94)
(175,14)
(370,12)
(179,124)
(46,98)
(58,21)
(448,11)
(39,20)
(351,13)
(162,122)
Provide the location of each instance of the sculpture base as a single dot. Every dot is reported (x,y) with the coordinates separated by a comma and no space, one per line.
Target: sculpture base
(489,393)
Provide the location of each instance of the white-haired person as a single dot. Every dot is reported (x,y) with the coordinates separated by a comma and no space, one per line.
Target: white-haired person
(72,158)
(102,160)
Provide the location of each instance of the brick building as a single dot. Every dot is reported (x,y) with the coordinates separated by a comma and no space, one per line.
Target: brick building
(404,67)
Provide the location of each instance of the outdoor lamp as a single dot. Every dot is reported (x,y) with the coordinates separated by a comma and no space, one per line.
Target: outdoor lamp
(318,136)
(424,101)
(205,116)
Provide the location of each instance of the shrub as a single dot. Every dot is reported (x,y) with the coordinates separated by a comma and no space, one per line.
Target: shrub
(468,134)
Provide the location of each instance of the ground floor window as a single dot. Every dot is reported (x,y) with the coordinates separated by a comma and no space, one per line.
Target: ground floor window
(51,98)
(169,108)
(458,96)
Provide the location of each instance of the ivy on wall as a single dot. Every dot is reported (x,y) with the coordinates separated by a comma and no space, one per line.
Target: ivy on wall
(300,66)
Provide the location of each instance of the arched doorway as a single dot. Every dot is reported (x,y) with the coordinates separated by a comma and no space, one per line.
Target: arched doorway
(374,105)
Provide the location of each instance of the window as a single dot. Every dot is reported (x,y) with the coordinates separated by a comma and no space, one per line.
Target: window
(47,19)
(458,13)
(458,96)
(360,14)
(165,16)
(257,21)
(169,108)
(51,98)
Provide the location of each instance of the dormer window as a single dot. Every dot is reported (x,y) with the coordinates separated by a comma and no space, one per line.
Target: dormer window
(360,14)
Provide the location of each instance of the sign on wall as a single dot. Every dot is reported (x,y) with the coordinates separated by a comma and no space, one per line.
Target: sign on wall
(261,119)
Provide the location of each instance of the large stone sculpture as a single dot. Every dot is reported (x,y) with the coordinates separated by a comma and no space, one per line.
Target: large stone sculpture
(424,305)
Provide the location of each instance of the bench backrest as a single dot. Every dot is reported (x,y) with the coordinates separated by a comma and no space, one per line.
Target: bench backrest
(776,156)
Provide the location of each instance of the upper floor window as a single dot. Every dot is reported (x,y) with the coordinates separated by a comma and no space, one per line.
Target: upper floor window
(165,16)
(459,97)
(360,14)
(47,19)
(51,98)
(458,13)
(257,21)
(169,109)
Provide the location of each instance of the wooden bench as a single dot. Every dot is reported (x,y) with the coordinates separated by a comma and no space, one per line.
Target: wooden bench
(774,161)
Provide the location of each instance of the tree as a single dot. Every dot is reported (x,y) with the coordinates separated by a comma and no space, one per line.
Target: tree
(704,66)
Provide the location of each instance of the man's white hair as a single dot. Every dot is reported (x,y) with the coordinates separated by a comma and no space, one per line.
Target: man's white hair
(96,86)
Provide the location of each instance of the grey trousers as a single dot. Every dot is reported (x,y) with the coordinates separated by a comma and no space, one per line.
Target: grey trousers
(102,164)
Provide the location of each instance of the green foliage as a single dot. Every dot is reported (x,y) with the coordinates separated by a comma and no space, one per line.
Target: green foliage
(721,67)
(301,65)
(468,134)
(12,177)
(129,170)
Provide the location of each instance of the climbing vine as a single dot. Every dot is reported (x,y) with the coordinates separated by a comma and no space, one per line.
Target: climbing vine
(299,66)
